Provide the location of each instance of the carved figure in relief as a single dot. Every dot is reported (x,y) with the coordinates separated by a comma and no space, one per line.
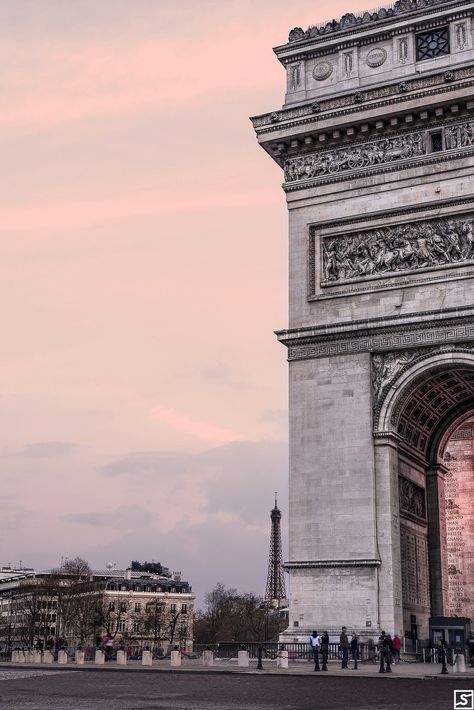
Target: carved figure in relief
(341,159)
(399,248)
(386,365)
(412,498)
(460,135)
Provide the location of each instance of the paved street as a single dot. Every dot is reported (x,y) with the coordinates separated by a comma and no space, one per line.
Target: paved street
(92,690)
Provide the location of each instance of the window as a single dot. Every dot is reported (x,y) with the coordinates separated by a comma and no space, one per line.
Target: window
(436,141)
(123,606)
(138,606)
(111,606)
(184,608)
(173,608)
(136,627)
(121,626)
(296,624)
(434,43)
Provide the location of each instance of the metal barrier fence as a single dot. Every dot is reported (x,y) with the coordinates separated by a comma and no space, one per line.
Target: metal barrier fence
(296,651)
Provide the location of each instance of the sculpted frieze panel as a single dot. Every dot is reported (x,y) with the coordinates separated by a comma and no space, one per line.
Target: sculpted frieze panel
(396,249)
(412,498)
(331,162)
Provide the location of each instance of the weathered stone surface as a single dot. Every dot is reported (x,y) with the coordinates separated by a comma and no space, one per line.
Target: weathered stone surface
(376,140)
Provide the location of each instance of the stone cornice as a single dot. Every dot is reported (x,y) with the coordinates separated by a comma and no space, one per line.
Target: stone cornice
(334,564)
(398,92)
(380,334)
(350,24)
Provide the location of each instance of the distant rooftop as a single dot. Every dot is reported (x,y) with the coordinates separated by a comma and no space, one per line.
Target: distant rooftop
(351,21)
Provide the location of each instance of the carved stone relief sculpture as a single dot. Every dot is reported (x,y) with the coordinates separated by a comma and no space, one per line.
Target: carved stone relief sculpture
(412,498)
(385,366)
(339,160)
(399,248)
(459,136)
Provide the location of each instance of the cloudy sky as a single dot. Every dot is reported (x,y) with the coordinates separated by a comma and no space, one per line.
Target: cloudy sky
(142,272)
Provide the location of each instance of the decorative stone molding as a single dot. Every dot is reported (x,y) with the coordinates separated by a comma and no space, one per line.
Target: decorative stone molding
(411,499)
(325,564)
(386,95)
(322,71)
(396,338)
(386,366)
(350,21)
(376,57)
(461,135)
(399,248)
(339,160)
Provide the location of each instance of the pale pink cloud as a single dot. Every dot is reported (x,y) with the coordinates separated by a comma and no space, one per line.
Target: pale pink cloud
(77,214)
(200,429)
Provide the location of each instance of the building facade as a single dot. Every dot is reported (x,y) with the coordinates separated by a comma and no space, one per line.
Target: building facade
(133,608)
(376,144)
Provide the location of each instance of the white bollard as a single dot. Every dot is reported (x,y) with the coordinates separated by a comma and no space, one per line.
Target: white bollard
(175,659)
(243,659)
(28,656)
(282,659)
(47,657)
(99,658)
(14,657)
(62,658)
(207,658)
(36,656)
(21,657)
(122,658)
(459,665)
(80,658)
(147,659)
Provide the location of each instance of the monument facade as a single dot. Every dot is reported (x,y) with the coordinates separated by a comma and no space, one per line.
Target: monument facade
(376,145)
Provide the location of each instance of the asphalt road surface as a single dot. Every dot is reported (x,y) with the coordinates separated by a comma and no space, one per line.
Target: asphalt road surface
(83,690)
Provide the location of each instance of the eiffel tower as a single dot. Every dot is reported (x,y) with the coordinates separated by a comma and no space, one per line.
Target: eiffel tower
(275,590)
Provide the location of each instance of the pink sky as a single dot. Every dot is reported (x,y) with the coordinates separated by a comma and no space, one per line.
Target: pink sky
(143,271)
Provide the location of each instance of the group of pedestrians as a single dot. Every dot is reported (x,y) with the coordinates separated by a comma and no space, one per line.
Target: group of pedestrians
(389,650)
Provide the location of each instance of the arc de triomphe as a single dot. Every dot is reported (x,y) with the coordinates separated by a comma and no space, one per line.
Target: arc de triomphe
(376,142)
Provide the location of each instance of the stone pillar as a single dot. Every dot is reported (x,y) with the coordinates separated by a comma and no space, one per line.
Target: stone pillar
(99,659)
(437,539)
(243,659)
(47,657)
(62,657)
(390,603)
(175,659)
(147,659)
(207,658)
(282,659)
(80,657)
(121,658)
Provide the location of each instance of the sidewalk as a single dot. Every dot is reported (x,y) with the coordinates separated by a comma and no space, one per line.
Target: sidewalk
(365,670)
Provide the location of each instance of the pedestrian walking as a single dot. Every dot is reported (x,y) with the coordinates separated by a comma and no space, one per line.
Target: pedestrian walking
(354,649)
(396,643)
(315,643)
(324,650)
(470,648)
(344,647)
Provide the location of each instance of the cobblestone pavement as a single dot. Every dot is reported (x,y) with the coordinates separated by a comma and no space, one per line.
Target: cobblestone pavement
(92,690)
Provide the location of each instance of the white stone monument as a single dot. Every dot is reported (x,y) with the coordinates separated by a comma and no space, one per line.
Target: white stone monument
(147,659)
(175,659)
(99,658)
(376,143)
(243,659)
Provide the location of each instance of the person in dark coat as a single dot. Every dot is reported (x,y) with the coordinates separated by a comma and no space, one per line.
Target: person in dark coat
(354,649)
(325,650)
(344,646)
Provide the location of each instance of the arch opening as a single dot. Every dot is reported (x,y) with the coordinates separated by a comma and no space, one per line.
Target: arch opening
(433,419)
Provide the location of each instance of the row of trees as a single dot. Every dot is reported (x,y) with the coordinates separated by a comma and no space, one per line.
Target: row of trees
(229,615)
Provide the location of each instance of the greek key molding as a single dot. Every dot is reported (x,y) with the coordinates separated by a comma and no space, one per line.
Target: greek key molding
(386,251)
(351,344)
(325,564)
